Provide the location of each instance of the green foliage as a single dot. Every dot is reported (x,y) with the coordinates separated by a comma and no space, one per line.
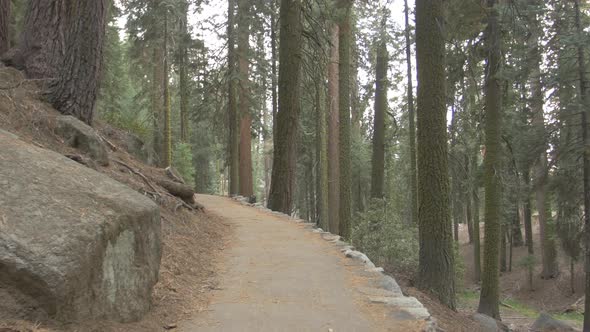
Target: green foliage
(116,103)
(528,261)
(183,162)
(459,266)
(381,235)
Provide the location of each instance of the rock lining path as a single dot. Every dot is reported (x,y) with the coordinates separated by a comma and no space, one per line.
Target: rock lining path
(282,275)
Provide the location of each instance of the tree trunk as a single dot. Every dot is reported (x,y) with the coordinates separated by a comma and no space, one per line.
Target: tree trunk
(572,276)
(322,151)
(527,214)
(182,73)
(378,161)
(503,249)
(356,119)
(333,135)
(47,24)
(75,87)
(457,218)
(468,201)
(583,92)
(232,105)
(412,124)
(245,148)
(273,87)
(476,236)
(167,144)
(344,41)
(5,15)
(546,226)
(490,292)
(157,101)
(516,230)
(285,138)
(436,272)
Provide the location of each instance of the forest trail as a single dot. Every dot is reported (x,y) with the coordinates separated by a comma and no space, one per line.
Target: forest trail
(278,276)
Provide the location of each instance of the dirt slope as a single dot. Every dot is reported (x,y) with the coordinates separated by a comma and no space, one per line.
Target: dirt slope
(192,240)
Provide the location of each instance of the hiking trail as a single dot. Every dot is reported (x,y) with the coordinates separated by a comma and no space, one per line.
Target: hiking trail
(279,274)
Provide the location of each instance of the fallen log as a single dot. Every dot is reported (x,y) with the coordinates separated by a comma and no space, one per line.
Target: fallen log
(138,173)
(173,174)
(183,191)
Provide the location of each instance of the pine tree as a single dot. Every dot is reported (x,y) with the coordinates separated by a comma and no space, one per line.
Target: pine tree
(285,149)
(436,261)
(412,122)
(344,41)
(583,97)
(245,118)
(233,120)
(333,133)
(490,292)
(378,161)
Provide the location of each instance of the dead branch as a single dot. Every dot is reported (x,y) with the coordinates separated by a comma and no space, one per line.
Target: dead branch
(136,172)
(173,174)
(111,145)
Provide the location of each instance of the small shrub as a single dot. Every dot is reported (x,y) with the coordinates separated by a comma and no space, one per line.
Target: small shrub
(386,239)
(183,162)
(529,263)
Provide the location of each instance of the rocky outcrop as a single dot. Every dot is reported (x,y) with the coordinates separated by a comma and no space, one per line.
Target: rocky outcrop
(131,143)
(489,324)
(79,243)
(546,323)
(81,136)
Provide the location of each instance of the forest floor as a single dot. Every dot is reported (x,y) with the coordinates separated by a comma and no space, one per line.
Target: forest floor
(521,306)
(192,241)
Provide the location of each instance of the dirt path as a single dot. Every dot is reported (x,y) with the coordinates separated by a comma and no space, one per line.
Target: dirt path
(280,276)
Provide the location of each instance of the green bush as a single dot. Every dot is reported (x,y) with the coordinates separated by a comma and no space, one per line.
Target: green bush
(182,160)
(385,238)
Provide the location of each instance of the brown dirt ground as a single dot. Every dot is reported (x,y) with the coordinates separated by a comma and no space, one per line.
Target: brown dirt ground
(447,319)
(192,241)
(549,295)
(552,295)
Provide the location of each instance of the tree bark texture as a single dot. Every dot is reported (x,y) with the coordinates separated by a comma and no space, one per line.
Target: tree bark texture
(333,134)
(183,62)
(436,271)
(476,235)
(321,151)
(583,95)
(43,40)
(232,105)
(490,292)
(527,214)
(5,12)
(378,160)
(412,123)
(75,87)
(285,138)
(166,157)
(245,152)
(344,40)
(546,225)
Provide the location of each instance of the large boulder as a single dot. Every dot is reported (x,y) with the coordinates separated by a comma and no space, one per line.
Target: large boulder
(83,137)
(81,244)
(131,143)
(489,324)
(546,323)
